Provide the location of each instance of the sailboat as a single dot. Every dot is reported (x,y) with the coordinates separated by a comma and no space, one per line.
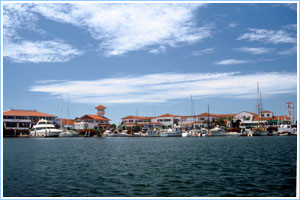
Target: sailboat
(193,131)
(67,132)
(259,130)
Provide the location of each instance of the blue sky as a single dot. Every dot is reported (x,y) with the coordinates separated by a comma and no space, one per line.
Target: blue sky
(149,57)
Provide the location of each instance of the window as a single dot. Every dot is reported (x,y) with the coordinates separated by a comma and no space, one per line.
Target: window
(268,115)
(11,124)
(24,125)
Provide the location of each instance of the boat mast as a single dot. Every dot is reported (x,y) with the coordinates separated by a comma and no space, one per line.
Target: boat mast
(192,112)
(208,116)
(68,111)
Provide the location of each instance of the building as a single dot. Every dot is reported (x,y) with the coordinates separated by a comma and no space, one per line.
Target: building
(21,120)
(131,121)
(65,123)
(170,120)
(98,122)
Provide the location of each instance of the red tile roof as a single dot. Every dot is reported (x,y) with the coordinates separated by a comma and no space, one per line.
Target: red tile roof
(206,114)
(137,117)
(31,113)
(95,117)
(100,107)
(67,122)
(167,115)
(266,111)
(271,118)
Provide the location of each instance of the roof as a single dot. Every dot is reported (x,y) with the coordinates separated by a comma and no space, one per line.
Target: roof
(137,117)
(167,115)
(254,114)
(95,117)
(30,113)
(281,118)
(67,122)
(207,114)
(266,111)
(100,107)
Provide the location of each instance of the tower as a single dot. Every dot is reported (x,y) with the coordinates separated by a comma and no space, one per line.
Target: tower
(100,110)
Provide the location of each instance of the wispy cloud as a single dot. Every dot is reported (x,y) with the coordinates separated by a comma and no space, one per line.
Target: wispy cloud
(203,51)
(17,17)
(255,50)
(121,28)
(170,86)
(232,25)
(290,51)
(269,36)
(39,51)
(231,62)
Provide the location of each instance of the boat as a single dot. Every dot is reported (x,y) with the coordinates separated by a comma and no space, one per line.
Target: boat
(152,133)
(286,129)
(44,129)
(259,130)
(217,131)
(171,132)
(68,133)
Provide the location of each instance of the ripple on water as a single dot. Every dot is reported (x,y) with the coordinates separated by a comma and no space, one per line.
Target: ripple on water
(166,167)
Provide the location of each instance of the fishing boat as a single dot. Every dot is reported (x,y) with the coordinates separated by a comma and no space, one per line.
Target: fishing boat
(44,129)
(286,129)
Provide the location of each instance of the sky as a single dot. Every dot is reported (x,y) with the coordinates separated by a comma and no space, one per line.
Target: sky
(148,59)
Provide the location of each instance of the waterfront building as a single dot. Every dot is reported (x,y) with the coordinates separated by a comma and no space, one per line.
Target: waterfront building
(65,123)
(168,120)
(98,122)
(21,120)
(131,121)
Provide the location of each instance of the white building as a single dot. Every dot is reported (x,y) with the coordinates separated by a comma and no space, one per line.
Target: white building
(93,121)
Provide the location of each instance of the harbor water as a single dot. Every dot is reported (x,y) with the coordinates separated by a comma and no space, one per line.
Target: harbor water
(150,167)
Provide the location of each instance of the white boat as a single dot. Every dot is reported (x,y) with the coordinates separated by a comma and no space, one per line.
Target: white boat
(68,133)
(44,129)
(286,129)
(190,133)
(233,134)
(175,132)
(217,131)
(152,133)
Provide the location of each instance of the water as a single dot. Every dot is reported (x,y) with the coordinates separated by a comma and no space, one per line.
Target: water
(150,167)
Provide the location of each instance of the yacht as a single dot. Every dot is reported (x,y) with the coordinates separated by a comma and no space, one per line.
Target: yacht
(44,129)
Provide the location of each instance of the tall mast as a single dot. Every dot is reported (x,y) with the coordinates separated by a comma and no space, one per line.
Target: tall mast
(68,111)
(192,111)
(208,115)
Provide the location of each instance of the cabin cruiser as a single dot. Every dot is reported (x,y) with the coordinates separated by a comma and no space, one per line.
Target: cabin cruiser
(171,132)
(190,133)
(44,129)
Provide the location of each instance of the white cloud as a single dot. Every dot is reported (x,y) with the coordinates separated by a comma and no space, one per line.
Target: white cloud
(121,28)
(203,52)
(255,50)
(269,36)
(169,86)
(232,25)
(17,17)
(231,62)
(290,51)
(39,51)
(290,26)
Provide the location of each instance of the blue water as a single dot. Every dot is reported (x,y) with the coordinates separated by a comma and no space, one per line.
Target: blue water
(150,167)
